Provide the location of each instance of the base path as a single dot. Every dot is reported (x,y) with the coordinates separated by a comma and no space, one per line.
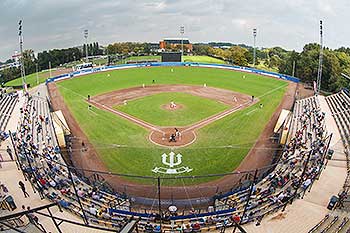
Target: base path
(160,135)
(89,159)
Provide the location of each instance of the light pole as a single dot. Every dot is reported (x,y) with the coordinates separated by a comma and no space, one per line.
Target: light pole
(50,69)
(320,61)
(182,31)
(86,34)
(254,51)
(23,73)
(37,75)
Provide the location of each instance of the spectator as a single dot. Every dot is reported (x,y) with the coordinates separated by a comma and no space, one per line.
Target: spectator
(196,227)
(3,190)
(93,210)
(306,183)
(9,152)
(149,227)
(80,193)
(23,188)
(157,229)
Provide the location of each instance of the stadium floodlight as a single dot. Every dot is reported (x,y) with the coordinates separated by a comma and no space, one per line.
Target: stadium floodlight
(20,35)
(182,31)
(86,35)
(320,60)
(37,73)
(254,50)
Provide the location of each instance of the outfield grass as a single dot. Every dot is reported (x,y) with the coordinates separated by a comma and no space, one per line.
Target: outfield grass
(262,66)
(194,108)
(142,58)
(30,79)
(203,59)
(206,155)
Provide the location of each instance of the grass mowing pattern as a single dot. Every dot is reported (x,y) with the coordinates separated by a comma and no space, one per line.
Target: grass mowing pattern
(206,155)
(194,108)
(31,79)
(203,59)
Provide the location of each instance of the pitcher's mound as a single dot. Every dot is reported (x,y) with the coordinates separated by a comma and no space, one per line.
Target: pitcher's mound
(167,107)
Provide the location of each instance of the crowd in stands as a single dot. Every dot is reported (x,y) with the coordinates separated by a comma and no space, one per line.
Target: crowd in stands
(299,165)
(42,163)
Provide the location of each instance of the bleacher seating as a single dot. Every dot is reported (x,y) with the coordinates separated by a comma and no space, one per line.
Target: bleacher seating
(275,190)
(46,168)
(7,104)
(51,173)
(339,104)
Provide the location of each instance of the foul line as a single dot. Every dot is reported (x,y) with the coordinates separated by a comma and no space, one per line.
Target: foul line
(126,116)
(248,113)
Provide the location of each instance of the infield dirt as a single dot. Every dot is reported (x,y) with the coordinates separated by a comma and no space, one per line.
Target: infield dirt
(89,159)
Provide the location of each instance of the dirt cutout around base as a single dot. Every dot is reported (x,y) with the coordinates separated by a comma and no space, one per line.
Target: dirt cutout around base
(163,138)
(90,160)
(161,135)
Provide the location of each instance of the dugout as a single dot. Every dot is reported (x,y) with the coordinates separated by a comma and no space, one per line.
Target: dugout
(171,57)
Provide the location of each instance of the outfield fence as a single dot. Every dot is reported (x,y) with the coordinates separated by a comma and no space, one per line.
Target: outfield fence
(173,64)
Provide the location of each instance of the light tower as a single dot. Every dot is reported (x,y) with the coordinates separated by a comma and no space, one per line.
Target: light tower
(254,51)
(23,73)
(320,60)
(86,35)
(182,31)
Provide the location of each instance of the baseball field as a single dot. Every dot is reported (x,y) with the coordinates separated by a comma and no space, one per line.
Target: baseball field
(120,133)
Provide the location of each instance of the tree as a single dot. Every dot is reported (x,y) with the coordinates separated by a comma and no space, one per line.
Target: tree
(237,55)
(286,65)
(201,49)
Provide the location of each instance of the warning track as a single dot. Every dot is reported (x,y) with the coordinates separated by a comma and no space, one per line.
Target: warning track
(255,159)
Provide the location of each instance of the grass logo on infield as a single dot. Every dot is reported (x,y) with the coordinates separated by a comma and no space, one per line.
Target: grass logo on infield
(171,161)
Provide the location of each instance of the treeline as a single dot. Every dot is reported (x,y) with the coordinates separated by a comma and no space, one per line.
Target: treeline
(303,65)
(93,49)
(123,48)
(56,57)
(15,72)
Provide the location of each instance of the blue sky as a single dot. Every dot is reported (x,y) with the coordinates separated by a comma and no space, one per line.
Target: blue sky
(52,24)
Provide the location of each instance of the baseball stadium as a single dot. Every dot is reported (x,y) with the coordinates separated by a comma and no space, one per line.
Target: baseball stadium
(172,142)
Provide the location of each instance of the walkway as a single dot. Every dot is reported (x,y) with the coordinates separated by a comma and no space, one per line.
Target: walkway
(305,213)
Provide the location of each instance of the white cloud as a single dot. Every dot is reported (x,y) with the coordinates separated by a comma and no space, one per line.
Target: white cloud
(57,24)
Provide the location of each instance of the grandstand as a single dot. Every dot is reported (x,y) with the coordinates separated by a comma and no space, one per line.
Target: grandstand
(264,192)
(339,104)
(8,102)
